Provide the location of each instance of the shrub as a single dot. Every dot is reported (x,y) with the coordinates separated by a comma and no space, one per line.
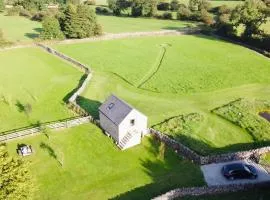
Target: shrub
(184,13)
(243,113)
(167,15)
(207,18)
(150,8)
(175,5)
(102,10)
(90,2)
(4,43)
(2,5)
(163,5)
(25,13)
(14,11)
(39,16)
(224,9)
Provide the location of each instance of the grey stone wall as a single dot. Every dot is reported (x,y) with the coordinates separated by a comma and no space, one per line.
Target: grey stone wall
(199,191)
(188,153)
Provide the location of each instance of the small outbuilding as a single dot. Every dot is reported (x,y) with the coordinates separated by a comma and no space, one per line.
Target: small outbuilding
(122,122)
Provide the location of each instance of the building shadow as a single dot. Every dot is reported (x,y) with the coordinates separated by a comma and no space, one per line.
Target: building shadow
(91,106)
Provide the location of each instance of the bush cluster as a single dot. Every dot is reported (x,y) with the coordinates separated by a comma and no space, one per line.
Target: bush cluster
(244,113)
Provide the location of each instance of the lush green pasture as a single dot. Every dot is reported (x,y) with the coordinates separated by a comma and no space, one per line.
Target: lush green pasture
(113,24)
(94,168)
(19,29)
(190,64)
(31,76)
(197,75)
(231,4)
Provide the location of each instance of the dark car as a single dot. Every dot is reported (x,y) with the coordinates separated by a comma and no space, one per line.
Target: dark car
(239,171)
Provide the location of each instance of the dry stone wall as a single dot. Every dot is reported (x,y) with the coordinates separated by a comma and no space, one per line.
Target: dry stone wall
(188,153)
(200,191)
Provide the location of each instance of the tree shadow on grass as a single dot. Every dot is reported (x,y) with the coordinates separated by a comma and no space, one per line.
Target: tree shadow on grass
(167,172)
(91,106)
(20,106)
(32,35)
(49,149)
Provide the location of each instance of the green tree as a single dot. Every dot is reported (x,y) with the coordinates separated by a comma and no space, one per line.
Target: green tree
(118,6)
(2,5)
(150,8)
(79,22)
(51,29)
(137,8)
(15,180)
(175,4)
(252,14)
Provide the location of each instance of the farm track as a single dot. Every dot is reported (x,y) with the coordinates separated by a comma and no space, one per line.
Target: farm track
(155,67)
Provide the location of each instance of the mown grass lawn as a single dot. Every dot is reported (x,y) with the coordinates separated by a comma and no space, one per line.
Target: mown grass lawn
(112,24)
(31,76)
(191,63)
(197,75)
(19,29)
(94,168)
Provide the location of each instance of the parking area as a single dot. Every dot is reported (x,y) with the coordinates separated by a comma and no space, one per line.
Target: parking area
(213,176)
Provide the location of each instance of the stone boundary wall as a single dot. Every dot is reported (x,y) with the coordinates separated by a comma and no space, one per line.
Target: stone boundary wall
(53,126)
(72,104)
(179,148)
(113,36)
(200,191)
(65,57)
(186,152)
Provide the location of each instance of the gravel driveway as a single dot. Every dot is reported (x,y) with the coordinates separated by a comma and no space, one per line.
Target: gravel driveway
(213,176)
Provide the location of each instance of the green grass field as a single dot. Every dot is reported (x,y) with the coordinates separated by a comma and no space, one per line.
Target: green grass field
(31,76)
(94,168)
(197,79)
(112,24)
(19,29)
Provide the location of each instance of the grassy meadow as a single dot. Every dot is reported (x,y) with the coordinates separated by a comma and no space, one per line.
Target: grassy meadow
(198,79)
(113,24)
(19,29)
(94,168)
(31,76)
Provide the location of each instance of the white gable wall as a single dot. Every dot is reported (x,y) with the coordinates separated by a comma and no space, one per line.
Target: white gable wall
(140,124)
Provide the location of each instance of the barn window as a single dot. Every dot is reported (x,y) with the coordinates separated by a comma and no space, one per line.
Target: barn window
(110,106)
(132,122)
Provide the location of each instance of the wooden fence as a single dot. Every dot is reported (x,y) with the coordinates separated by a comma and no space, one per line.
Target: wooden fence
(35,130)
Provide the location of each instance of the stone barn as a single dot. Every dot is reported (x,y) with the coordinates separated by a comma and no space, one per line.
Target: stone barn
(122,122)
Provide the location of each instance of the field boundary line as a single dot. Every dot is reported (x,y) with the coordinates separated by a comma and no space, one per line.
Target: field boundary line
(39,129)
(114,36)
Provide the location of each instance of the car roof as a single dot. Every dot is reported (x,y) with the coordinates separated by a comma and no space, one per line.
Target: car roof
(235,166)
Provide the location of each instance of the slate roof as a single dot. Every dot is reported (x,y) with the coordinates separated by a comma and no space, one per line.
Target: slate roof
(115,109)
